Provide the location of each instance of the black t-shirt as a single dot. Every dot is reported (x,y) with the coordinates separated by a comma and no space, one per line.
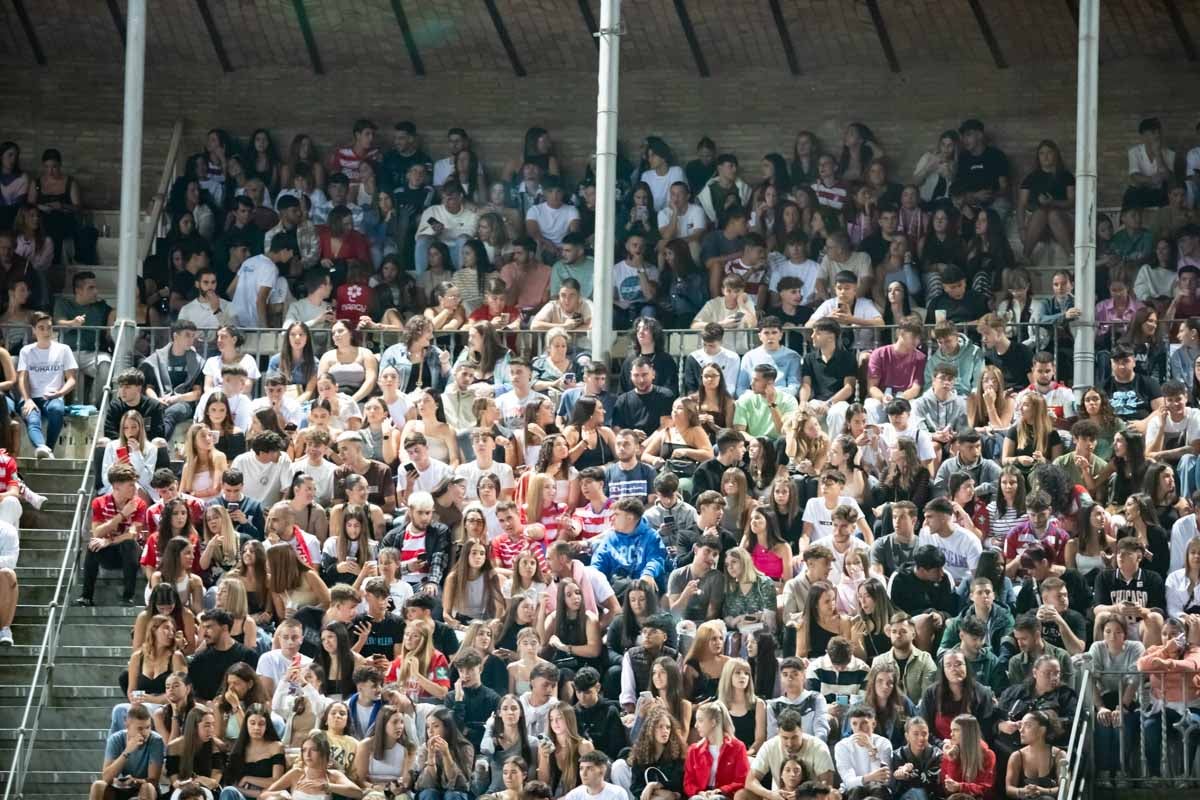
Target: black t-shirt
(1040,182)
(208,667)
(984,171)
(698,173)
(384,635)
(828,378)
(1052,440)
(876,247)
(177,374)
(643,411)
(792,338)
(1016,363)
(1131,401)
(970,307)
(311,618)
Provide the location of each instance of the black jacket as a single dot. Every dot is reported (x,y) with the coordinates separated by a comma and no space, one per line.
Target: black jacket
(928,770)
(708,476)
(602,725)
(150,409)
(983,708)
(437,548)
(916,596)
(477,706)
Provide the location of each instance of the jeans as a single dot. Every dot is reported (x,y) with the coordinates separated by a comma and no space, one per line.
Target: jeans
(176,414)
(123,556)
(53,411)
(1152,735)
(1108,743)
(230,793)
(911,794)
(421,253)
(442,794)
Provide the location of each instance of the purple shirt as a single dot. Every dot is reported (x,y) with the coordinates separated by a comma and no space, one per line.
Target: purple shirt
(1106,313)
(892,370)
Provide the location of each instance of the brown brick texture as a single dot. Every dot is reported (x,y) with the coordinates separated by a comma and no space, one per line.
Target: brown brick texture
(751,105)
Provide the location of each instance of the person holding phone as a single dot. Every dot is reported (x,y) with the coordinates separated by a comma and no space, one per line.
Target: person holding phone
(133,760)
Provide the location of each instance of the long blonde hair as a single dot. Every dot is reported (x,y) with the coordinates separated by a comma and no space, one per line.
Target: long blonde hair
(194,462)
(737,507)
(236,602)
(750,573)
(229,537)
(424,654)
(970,746)
(149,648)
(715,711)
(704,633)
(725,685)
(141,422)
(570,773)
(1037,433)
(535,496)
(798,445)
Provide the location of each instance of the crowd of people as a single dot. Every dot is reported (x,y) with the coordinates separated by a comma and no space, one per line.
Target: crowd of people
(862,541)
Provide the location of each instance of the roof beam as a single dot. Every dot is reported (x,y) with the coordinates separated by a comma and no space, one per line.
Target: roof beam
(785,38)
(1185,36)
(989,36)
(885,39)
(118,19)
(310,41)
(410,43)
(214,35)
(589,19)
(505,40)
(39,55)
(689,33)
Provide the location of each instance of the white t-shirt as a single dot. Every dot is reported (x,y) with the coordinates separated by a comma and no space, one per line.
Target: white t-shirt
(239,409)
(610,791)
(46,366)
(660,185)
(512,407)
(1188,428)
(275,664)
(808,271)
(601,588)
(821,518)
(914,431)
(961,548)
(627,286)
(322,475)
(264,482)
(304,310)
(554,223)
(288,407)
(204,317)
(473,472)
(212,368)
(427,480)
(255,273)
(688,223)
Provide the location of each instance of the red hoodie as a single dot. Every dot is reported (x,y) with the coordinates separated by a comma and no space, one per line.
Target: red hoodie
(733,765)
(981,786)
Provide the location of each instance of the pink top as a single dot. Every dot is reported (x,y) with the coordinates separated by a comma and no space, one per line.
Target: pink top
(767,562)
(892,370)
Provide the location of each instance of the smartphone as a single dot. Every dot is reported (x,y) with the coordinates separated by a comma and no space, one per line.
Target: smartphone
(569,378)
(843,699)
(410,469)
(668,521)
(939,315)
(296,660)
(232,507)
(214,436)
(739,315)
(122,454)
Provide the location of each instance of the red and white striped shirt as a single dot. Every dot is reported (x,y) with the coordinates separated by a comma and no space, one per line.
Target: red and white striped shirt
(8,470)
(551,515)
(506,549)
(831,196)
(593,522)
(413,547)
(347,162)
(105,508)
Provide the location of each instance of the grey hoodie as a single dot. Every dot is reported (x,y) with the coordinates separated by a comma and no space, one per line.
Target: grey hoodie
(936,414)
(156,368)
(968,361)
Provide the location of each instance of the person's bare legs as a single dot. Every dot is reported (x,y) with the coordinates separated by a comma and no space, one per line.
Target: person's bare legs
(1061,228)
(1035,228)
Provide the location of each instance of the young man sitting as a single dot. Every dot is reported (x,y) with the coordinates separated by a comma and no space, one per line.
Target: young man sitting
(472,704)
(859,314)
(916,667)
(117,519)
(638,660)
(944,530)
(785,360)
(484,443)
(791,311)
(956,350)
(895,370)
(734,310)
(893,551)
(46,373)
(828,375)
(864,758)
(1131,592)
(274,664)
(174,375)
(629,476)
(674,519)
(695,592)
(711,351)
(1134,396)
(808,704)
(133,760)
(943,412)
(761,409)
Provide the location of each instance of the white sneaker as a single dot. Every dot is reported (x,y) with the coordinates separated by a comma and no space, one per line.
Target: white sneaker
(31,497)
(44,452)
(6,636)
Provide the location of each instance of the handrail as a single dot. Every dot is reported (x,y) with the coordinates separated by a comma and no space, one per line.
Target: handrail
(170,167)
(1079,743)
(39,685)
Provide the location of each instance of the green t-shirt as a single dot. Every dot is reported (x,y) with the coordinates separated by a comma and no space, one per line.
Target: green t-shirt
(753,411)
(582,271)
(95,315)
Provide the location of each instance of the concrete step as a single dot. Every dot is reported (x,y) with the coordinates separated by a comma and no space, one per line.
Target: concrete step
(75,673)
(108,591)
(68,696)
(96,716)
(59,756)
(75,634)
(99,615)
(50,557)
(47,517)
(54,737)
(58,784)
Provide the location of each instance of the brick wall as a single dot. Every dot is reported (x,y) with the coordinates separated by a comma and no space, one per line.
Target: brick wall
(750,112)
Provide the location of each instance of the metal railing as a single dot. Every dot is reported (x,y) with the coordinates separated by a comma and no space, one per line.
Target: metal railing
(1079,781)
(1173,732)
(38,693)
(170,170)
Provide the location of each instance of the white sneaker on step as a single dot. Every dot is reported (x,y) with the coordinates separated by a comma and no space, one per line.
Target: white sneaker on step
(6,636)
(31,497)
(44,452)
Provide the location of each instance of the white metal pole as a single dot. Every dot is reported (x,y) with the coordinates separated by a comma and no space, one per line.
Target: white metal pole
(1085,192)
(131,172)
(606,178)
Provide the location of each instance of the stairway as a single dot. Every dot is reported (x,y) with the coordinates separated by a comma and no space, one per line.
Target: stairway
(69,747)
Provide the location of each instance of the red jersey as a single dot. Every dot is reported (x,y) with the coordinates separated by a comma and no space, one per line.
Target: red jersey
(438,672)
(154,513)
(551,515)
(105,508)
(353,300)
(347,162)
(593,523)
(150,553)
(8,470)
(1023,535)
(354,247)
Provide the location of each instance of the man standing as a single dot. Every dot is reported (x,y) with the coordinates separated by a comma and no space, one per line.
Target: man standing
(45,375)
(86,309)
(256,280)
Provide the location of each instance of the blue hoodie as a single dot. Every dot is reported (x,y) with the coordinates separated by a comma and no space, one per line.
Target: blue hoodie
(640,554)
(352,727)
